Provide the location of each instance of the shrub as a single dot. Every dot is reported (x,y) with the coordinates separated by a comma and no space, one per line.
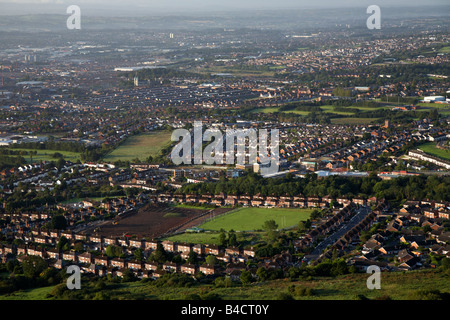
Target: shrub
(191,296)
(59,290)
(284,296)
(211,296)
(427,295)
(300,291)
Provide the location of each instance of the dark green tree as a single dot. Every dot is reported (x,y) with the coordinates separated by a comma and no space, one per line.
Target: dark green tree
(246,277)
(33,266)
(58,222)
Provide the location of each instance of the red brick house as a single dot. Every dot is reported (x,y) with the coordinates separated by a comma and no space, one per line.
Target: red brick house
(208,269)
(188,268)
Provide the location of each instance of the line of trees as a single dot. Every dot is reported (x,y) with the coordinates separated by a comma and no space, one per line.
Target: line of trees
(416,187)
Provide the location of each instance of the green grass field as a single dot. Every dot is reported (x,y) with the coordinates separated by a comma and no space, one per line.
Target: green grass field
(329,109)
(140,146)
(299,112)
(430,148)
(47,155)
(265,110)
(246,219)
(194,237)
(445,49)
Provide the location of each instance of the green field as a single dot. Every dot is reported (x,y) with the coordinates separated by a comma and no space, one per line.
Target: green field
(299,112)
(430,148)
(265,110)
(445,49)
(140,146)
(47,155)
(442,108)
(194,237)
(246,219)
(329,109)
(275,109)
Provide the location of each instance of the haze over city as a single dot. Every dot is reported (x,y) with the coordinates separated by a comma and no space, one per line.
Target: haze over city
(152,7)
(128,169)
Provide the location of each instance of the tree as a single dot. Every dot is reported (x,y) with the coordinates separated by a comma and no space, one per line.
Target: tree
(63,244)
(58,222)
(232,240)
(246,277)
(78,247)
(211,260)
(301,226)
(262,274)
(315,214)
(270,225)
(10,265)
(159,255)
(128,276)
(114,251)
(426,228)
(192,258)
(222,238)
(33,266)
(339,267)
(138,254)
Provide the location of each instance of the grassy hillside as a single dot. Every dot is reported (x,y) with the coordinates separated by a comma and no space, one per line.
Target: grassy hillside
(394,285)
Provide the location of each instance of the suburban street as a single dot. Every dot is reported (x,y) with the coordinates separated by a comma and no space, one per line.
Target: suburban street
(360,214)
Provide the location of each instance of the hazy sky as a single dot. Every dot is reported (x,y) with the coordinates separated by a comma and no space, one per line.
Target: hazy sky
(129,7)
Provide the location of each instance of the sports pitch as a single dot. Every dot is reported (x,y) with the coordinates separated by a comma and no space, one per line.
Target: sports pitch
(140,146)
(249,219)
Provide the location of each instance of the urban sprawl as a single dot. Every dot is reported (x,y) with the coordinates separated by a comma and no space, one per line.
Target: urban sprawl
(86,176)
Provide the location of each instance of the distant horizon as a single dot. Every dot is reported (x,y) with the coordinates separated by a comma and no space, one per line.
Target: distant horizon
(192,7)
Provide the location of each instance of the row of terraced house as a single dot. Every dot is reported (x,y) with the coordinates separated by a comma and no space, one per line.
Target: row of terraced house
(42,243)
(259,200)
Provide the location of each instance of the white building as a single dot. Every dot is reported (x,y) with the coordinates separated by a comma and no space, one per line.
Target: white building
(433,98)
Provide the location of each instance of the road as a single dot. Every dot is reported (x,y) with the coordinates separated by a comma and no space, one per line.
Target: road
(360,214)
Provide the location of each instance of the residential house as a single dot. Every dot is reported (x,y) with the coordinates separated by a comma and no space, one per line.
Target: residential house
(170,267)
(135,265)
(212,249)
(188,268)
(70,256)
(117,262)
(102,260)
(169,246)
(86,257)
(199,249)
(150,266)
